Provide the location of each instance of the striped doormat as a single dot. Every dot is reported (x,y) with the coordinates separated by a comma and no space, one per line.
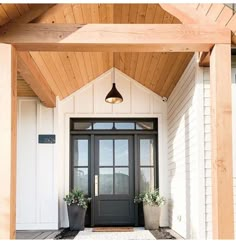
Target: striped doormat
(113,229)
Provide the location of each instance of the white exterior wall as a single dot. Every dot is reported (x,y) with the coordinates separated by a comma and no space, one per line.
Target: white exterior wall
(89,102)
(207,147)
(185,154)
(36,202)
(43,169)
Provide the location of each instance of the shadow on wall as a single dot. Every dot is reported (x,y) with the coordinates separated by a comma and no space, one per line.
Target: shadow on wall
(182,160)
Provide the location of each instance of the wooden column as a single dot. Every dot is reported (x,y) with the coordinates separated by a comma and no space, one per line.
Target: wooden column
(8,96)
(221,129)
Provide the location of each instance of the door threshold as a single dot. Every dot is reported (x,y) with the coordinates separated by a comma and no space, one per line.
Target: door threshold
(113,229)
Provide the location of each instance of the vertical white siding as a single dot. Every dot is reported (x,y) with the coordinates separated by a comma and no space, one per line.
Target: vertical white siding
(183,153)
(89,102)
(36,189)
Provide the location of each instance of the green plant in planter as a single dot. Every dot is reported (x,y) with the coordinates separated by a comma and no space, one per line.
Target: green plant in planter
(150,198)
(77,197)
(77,204)
(152,202)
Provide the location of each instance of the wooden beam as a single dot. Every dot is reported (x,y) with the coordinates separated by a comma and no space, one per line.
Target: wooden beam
(204,59)
(36,11)
(114,37)
(8,107)
(218,14)
(33,76)
(221,140)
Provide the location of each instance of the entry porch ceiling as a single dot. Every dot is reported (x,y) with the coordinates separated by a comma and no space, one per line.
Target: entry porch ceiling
(66,72)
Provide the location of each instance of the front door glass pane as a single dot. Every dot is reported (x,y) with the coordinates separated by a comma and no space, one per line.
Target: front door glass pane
(106,181)
(121,181)
(146,179)
(81,179)
(81,152)
(146,152)
(121,152)
(105,152)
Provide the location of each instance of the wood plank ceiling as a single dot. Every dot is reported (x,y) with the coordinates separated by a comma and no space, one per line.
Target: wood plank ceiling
(66,72)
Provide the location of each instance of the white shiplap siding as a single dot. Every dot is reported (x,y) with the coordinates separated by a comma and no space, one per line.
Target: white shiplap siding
(207,153)
(183,148)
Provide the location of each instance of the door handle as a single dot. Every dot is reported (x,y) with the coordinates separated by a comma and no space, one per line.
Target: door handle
(96,185)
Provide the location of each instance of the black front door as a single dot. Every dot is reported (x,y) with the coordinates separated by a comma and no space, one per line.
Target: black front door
(114,180)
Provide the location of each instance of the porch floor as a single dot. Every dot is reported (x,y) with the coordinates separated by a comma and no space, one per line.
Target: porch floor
(36,234)
(137,234)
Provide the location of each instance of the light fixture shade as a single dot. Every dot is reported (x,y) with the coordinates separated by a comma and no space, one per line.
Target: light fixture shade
(114,97)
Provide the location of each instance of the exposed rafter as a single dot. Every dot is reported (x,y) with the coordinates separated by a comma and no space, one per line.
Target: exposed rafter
(32,75)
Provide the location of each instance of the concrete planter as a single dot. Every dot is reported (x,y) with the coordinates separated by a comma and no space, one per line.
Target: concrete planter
(76,216)
(151,216)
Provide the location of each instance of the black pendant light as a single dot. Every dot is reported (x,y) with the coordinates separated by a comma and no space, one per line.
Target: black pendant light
(114,96)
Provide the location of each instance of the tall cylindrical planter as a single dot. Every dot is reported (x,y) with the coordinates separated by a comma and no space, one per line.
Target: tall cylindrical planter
(76,216)
(151,216)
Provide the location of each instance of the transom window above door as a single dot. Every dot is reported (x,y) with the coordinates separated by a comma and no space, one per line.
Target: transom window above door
(112,125)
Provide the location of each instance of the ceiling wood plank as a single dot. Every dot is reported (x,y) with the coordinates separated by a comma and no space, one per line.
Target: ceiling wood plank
(128,56)
(54,72)
(159,15)
(150,13)
(3,16)
(11,10)
(76,69)
(33,76)
(215,11)
(134,59)
(149,82)
(32,14)
(139,66)
(161,65)
(118,37)
(204,7)
(85,64)
(146,64)
(61,71)
(225,15)
(23,89)
(140,18)
(133,11)
(77,9)
(164,71)
(22,8)
(175,75)
(46,73)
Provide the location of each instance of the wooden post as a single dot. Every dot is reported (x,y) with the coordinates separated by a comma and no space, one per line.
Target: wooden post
(221,129)
(8,96)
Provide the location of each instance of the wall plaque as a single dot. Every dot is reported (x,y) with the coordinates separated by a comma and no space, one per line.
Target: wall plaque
(47,138)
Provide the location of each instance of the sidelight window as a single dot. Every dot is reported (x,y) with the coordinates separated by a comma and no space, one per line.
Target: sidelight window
(80,164)
(146,162)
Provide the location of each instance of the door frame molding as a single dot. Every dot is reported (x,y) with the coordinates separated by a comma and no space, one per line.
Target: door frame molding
(90,134)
